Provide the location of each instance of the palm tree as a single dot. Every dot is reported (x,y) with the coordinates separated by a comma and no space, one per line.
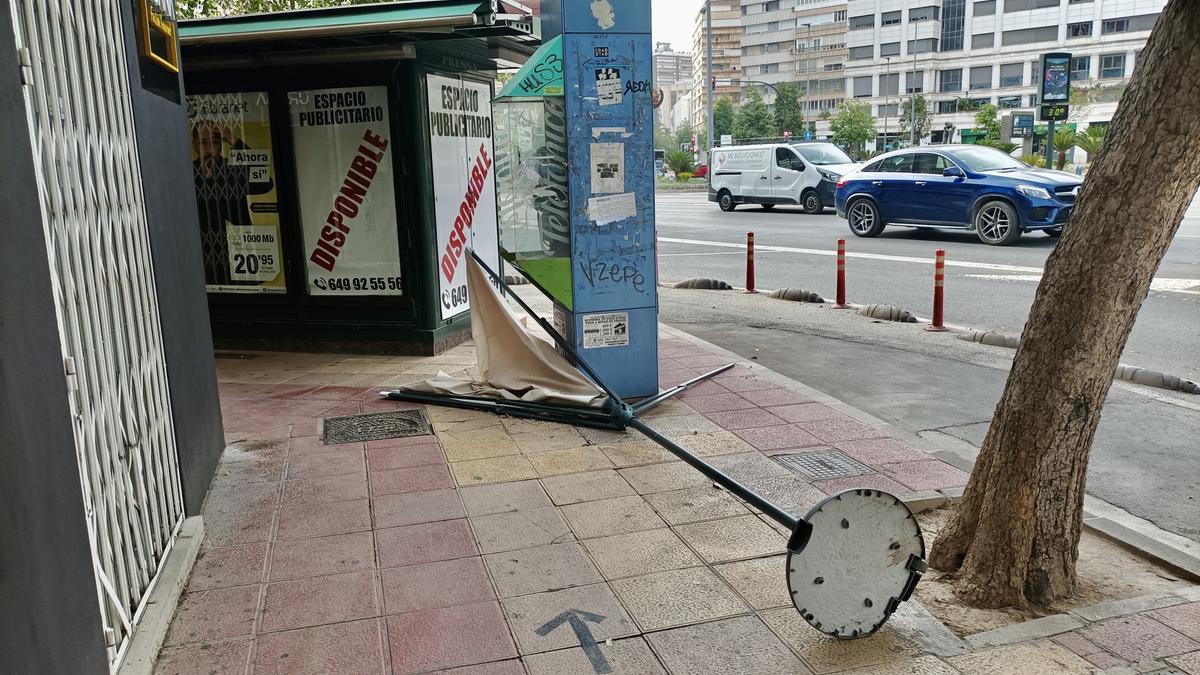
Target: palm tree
(1002,146)
(1064,140)
(679,162)
(1090,140)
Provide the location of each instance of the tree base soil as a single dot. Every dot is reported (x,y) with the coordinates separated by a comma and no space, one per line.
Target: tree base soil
(1106,572)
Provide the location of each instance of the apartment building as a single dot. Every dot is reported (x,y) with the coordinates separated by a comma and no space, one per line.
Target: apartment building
(670,66)
(727,53)
(987,51)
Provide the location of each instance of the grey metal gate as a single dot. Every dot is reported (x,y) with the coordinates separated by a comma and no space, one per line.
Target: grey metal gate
(81,123)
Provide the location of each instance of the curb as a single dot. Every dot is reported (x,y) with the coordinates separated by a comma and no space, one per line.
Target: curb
(1158,549)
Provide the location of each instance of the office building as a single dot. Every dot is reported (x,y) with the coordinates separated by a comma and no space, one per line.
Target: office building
(727,52)
(961,54)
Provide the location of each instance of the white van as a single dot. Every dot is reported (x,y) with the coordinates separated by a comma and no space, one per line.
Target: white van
(804,173)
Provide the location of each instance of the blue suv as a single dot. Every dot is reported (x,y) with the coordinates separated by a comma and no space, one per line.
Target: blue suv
(973,187)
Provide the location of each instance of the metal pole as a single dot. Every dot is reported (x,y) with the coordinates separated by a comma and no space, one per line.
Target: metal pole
(887,101)
(1050,144)
(912,98)
(708,76)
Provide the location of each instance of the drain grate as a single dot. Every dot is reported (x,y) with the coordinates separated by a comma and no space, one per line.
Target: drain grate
(375,426)
(824,465)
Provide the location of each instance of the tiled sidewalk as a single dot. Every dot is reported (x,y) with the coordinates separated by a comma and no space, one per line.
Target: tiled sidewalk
(458,550)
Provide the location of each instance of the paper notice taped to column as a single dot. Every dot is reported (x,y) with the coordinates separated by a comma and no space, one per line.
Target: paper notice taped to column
(611,208)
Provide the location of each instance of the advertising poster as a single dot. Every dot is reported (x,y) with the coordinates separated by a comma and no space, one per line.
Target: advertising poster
(464,184)
(233,168)
(347,195)
(1056,78)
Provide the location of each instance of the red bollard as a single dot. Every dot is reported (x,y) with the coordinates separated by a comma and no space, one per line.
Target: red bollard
(939,278)
(841,276)
(750,263)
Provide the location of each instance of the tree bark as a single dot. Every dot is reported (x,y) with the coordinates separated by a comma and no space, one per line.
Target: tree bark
(1015,536)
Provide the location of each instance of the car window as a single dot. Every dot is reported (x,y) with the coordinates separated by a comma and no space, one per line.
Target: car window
(873,167)
(927,162)
(786,159)
(897,164)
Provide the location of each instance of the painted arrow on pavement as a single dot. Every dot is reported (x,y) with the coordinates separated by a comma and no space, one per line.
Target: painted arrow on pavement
(577,619)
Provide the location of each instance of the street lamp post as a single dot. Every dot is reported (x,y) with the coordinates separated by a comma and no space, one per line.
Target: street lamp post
(807,79)
(708,76)
(887,101)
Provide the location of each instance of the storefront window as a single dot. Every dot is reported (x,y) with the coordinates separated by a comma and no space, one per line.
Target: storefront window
(347,196)
(236,199)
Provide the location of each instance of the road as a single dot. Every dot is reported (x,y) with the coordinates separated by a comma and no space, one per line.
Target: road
(1145,458)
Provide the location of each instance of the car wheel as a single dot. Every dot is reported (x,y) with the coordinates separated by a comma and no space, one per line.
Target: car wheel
(725,201)
(996,224)
(812,202)
(1053,232)
(863,217)
(768,207)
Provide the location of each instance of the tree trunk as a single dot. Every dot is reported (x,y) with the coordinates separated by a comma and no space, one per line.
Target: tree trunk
(1015,536)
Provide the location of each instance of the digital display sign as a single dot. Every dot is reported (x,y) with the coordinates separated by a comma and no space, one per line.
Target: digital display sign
(1056,78)
(1054,113)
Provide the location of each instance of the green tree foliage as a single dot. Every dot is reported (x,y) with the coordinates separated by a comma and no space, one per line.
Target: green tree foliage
(663,140)
(789,113)
(753,120)
(1091,139)
(924,118)
(1002,146)
(684,135)
(723,116)
(1064,140)
(986,120)
(190,9)
(679,161)
(853,125)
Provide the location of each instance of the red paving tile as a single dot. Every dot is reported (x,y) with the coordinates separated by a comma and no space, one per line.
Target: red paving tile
(240,498)
(229,566)
(869,481)
(306,444)
(745,382)
(510,667)
(428,542)
(237,527)
(718,403)
(314,519)
(328,463)
(778,437)
(1077,643)
(333,393)
(774,397)
(217,657)
(257,470)
(705,388)
(415,479)
(342,488)
(1138,638)
(1183,618)
(217,614)
(352,648)
(876,451)
(319,600)
(413,508)
(838,430)
(925,475)
(449,637)
(753,418)
(322,556)
(417,588)
(1104,660)
(404,457)
(805,412)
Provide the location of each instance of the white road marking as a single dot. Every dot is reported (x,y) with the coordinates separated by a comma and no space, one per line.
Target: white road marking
(1020,272)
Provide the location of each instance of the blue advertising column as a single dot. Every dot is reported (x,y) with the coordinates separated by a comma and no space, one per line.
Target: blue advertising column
(608,66)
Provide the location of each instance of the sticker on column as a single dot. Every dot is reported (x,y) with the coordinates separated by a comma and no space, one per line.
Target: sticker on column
(602,10)
(605,330)
(611,208)
(608,86)
(253,252)
(608,167)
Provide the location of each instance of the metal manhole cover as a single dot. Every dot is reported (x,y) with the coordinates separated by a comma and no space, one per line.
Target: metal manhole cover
(375,426)
(824,465)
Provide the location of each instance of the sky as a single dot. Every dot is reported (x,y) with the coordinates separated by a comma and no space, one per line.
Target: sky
(674,21)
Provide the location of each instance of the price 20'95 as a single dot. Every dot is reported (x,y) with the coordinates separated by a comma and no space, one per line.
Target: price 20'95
(251,263)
